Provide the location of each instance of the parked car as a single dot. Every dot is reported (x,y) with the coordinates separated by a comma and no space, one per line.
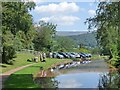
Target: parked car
(85,55)
(64,54)
(57,55)
(90,55)
(76,54)
(82,55)
(71,55)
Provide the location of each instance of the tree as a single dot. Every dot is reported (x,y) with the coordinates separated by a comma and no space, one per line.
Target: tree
(65,44)
(15,16)
(15,19)
(8,47)
(109,80)
(44,38)
(107,23)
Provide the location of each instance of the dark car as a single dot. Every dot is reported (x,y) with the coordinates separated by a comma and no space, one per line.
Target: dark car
(71,55)
(82,55)
(85,55)
(64,54)
(76,54)
(57,55)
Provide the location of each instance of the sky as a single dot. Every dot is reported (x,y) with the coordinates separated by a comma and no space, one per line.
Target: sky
(69,16)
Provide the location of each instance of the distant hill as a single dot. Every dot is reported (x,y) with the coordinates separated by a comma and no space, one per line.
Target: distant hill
(69,33)
(84,38)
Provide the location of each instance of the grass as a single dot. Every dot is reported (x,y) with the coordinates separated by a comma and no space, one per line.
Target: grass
(36,67)
(97,57)
(20,81)
(24,77)
(20,60)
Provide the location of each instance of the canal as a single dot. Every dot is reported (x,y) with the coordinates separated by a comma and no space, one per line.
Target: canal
(95,74)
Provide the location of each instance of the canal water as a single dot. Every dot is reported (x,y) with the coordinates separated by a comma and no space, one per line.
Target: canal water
(91,75)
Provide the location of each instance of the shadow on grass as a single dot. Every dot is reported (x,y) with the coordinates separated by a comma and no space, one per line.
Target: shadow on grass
(3,66)
(17,81)
(20,81)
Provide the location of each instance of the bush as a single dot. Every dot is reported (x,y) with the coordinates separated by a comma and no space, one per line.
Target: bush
(84,50)
(8,53)
(115,61)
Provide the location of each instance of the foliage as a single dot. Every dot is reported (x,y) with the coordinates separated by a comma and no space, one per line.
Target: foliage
(96,51)
(65,44)
(84,50)
(15,16)
(17,27)
(44,36)
(110,80)
(107,23)
(8,49)
(76,59)
(87,39)
(23,41)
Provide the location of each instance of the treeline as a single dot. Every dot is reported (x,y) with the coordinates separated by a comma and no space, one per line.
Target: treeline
(19,32)
(107,22)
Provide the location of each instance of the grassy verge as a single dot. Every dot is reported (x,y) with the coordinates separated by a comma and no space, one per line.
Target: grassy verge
(20,60)
(25,76)
(97,57)
(36,67)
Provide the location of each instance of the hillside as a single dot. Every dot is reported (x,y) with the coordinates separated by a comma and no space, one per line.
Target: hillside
(86,39)
(69,33)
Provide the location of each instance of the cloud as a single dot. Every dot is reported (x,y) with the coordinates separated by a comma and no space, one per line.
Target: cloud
(103,0)
(91,12)
(62,7)
(34,1)
(61,20)
(71,83)
(91,4)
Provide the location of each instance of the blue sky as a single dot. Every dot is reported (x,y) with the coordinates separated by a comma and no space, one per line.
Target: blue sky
(69,16)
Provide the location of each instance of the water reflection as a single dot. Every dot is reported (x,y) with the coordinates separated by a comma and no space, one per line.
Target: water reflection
(46,82)
(93,75)
(110,80)
(102,81)
(79,80)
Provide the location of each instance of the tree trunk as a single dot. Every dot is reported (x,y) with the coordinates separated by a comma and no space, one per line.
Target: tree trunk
(111,55)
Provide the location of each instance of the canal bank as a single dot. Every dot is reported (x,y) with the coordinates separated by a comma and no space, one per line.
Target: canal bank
(81,76)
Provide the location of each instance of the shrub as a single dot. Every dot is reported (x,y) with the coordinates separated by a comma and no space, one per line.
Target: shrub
(8,53)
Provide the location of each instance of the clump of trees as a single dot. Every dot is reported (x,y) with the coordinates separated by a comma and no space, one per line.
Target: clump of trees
(19,32)
(107,21)
(46,39)
(64,44)
(17,28)
(43,40)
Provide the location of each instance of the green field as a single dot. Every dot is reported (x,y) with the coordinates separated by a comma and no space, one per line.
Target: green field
(20,60)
